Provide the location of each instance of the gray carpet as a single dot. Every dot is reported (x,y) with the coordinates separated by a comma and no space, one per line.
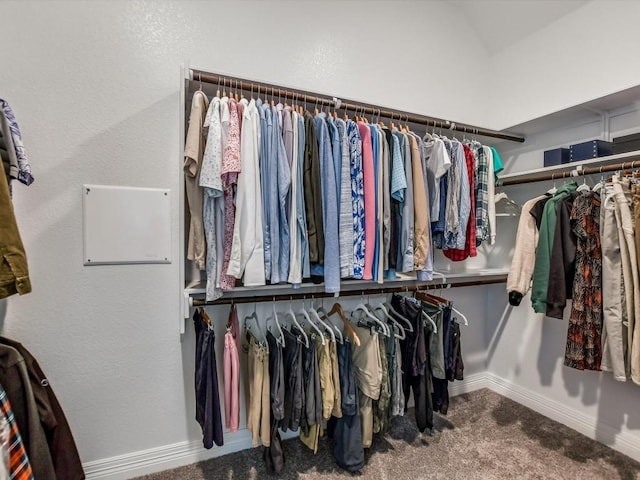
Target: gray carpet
(484,436)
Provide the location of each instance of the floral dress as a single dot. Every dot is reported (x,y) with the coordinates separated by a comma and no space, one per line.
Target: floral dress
(584,349)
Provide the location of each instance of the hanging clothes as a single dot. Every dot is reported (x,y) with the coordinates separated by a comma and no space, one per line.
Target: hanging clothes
(47,436)
(231,373)
(206,382)
(193,153)
(584,347)
(18,466)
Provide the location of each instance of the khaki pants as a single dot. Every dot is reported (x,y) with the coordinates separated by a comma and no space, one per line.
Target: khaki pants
(368,368)
(14,273)
(259,411)
(614,336)
(623,203)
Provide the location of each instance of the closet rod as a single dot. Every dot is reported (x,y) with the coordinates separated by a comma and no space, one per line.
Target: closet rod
(235,83)
(198,302)
(577,172)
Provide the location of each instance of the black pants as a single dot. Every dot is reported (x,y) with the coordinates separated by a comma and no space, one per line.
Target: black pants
(206,384)
(274,455)
(416,376)
(294,393)
(347,431)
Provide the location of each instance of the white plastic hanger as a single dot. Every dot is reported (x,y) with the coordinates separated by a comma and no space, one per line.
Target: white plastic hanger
(290,314)
(362,308)
(461,315)
(307,319)
(279,334)
(408,327)
(315,316)
(584,187)
(252,325)
(402,335)
(598,186)
(554,189)
(431,321)
(322,313)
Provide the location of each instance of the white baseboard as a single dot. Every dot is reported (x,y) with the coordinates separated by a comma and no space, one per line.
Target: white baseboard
(624,442)
(130,465)
(143,462)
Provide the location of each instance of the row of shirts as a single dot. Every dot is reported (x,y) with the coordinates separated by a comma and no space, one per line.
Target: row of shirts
(280,195)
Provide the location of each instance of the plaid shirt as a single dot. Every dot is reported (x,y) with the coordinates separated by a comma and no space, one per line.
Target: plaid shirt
(482,194)
(457,255)
(19,466)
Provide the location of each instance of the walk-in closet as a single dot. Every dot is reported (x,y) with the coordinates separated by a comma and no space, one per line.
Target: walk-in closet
(319,239)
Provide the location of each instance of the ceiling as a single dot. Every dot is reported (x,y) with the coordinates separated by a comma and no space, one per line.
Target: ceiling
(501,23)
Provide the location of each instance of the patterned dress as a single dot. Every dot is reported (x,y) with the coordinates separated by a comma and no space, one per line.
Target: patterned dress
(584,349)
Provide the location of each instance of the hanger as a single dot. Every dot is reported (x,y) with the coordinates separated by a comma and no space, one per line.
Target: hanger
(598,186)
(307,319)
(279,334)
(337,309)
(584,187)
(426,297)
(553,189)
(461,315)
(316,316)
(394,322)
(322,314)
(218,88)
(206,318)
(408,327)
(362,308)
(252,326)
(290,314)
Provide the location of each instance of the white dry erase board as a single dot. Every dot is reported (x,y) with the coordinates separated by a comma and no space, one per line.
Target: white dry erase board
(126,225)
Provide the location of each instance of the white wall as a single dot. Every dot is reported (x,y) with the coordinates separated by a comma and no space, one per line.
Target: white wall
(95,87)
(584,55)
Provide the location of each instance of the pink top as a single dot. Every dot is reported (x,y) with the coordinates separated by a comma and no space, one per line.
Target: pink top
(369,200)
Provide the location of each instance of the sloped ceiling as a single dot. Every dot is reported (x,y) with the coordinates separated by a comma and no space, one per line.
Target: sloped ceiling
(501,23)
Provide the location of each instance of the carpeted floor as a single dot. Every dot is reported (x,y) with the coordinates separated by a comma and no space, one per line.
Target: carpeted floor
(484,436)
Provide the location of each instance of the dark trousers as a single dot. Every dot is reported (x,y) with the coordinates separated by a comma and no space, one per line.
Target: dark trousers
(206,384)
(273,455)
(416,373)
(347,431)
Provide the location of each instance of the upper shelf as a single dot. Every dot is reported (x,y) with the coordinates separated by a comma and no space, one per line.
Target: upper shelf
(574,167)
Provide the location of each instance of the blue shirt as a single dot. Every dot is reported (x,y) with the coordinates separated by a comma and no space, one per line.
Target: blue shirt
(265,181)
(329,207)
(283,182)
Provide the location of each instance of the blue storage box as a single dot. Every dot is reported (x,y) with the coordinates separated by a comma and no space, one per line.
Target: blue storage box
(591,149)
(557,156)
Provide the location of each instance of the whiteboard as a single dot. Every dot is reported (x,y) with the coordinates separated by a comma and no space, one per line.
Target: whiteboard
(124,225)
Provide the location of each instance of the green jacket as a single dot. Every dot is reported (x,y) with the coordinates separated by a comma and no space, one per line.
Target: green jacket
(545,244)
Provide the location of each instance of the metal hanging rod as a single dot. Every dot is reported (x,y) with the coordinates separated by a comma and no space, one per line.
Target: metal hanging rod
(236,83)
(577,172)
(197,302)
